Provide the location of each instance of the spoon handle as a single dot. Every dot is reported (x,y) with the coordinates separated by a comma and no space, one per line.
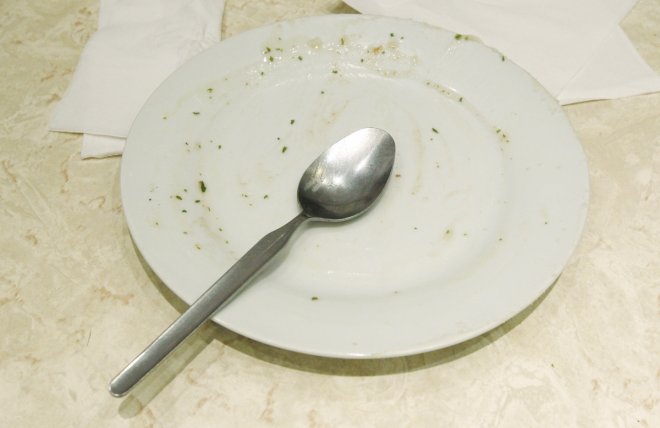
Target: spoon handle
(205,306)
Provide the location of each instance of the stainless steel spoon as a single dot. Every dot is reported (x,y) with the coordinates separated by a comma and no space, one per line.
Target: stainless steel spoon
(340,184)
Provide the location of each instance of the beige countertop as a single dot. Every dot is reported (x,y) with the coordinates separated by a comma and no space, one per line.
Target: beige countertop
(77,302)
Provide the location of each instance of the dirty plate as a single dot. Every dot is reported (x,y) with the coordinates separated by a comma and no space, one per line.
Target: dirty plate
(485,205)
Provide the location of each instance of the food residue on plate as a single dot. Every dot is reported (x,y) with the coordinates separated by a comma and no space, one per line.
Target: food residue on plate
(503,136)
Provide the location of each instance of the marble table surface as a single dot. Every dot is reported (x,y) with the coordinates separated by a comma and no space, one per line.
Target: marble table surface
(77,301)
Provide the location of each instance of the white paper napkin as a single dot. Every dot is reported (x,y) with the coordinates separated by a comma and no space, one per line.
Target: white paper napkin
(576,49)
(137,45)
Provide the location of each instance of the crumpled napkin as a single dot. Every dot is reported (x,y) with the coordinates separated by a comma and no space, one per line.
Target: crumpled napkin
(575,49)
(137,45)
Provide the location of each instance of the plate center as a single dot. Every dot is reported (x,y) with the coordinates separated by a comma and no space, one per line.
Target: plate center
(442,205)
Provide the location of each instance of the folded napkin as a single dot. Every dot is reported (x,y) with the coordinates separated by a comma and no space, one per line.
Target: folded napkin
(576,49)
(137,45)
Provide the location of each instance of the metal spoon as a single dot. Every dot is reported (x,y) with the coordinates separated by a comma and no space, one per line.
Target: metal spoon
(340,184)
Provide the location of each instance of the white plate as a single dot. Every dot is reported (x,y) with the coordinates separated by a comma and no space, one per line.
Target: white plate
(485,205)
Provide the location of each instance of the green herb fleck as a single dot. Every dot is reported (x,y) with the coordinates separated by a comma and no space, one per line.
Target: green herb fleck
(184,211)
(284,149)
(197,201)
(391,34)
(202,186)
(195,113)
(503,58)
(458,36)
(342,41)
(300,58)
(178,197)
(460,100)
(322,92)
(164,117)
(314,298)
(267,49)
(434,130)
(292,121)
(271,59)
(209,90)
(265,196)
(219,146)
(334,72)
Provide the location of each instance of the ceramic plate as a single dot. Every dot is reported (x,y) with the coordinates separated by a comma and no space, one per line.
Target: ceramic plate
(486,201)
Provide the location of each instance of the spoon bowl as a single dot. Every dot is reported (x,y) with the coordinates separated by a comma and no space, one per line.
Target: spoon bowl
(347,178)
(342,183)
